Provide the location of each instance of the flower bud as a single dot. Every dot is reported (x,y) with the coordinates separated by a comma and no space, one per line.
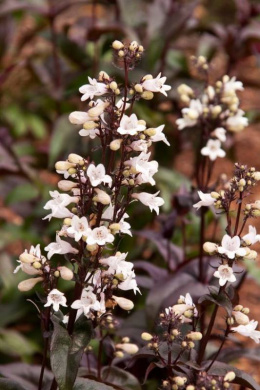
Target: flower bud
(63,165)
(190,387)
(103,76)
(165,383)
(121,53)
(37,265)
(116,144)
(138,88)
(140,48)
(230,321)
(241,318)
(230,376)
(115,227)
(151,132)
(194,336)
(214,195)
(56,274)
(66,273)
(97,110)
(211,92)
(113,85)
(90,125)
(27,285)
(133,46)
(28,258)
(147,95)
(102,197)
(184,89)
(117,45)
(119,354)
(146,336)
(92,248)
(66,185)
(210,247)
(124,303)
(238,308)
(256,175)
(216,110)
(72,171)
(75,158)
(245,310)
(147,77)
(180,380)
(128,348)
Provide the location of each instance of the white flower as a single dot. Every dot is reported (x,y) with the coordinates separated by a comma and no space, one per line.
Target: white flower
(100,236)
(138,146)
(58,205)
(89,302)
(56,298)
(120,104)
(232,85)
(225,274)
(237,122)
(129,283)
(129,125)
(94,88)
(60,247)
(79,227)
(117,264)
(248,330)
(213,149)
(190,114)
(156,85)
(27,268)
(252,237)
(91,133)
(124,227)
(188,301)
(79,117)
(159,136)
(151,200)
(220,133)
(97,175)
(231,247)
(145,168)
(206,200)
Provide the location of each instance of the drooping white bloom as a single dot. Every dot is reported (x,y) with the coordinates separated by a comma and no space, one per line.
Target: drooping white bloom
(58,205)
(151,200)
(129,125)
(159,136)
(91,133)
(117,264)
(251,237)
(79,117)
(100,236)
(89,302)
(213,149)
(129,283)
(120,104)
(206,200)
(232,85)
(230,246)
(145,168)
(188,301)
(138,146)
(225,274)
(220,133)
(179,309)
(124,227)
(60,247)
(248,330)
(156,85)
(190,114)
(94,88)
(97,175)
(56,298)
(237,122)
(79,227)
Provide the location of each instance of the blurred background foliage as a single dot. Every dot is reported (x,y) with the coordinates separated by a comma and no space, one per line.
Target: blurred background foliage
(48,48)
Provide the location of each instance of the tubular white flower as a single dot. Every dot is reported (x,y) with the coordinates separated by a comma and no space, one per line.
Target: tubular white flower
(124,303)
(89,302)
(94,88)
(79,227)
(129,125)
(97,175)
(206,200)
(151,200)
(65,273)
(100,235)
(56,298)
(190,114)
(66,185)
(225,274)
(59,247)
(58,205)
(128,348)
(79,117)
(251,237)
(237,122)
(241,318)
(248,330)
(220,133)
(159,135)
(156,85)
(28,284)
(231,247)
(213,149)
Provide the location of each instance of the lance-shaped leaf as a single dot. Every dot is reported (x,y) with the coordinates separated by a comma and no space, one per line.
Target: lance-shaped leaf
(219,298)
(66,351)
(89,384)
(120,378)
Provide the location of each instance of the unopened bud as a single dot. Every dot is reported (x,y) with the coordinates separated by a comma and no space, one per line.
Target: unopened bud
(245,310)
(210,247)
(102,197)
(230,321)
(27,285)
(230,376)
(37,265)
(92,248)
(115,227)
(117,45)
(251,255)
(67,222)
(119,354)
(121,53)
(194,336)
(256,175)
(75,158)
(238,308)
(180,380)
(63,165)
(66,273)
(27,258)
(146,336)
(216,110)
(128,348)
(72,171)
(113,85)
(133,46)
(190,387)
(151,132)
(147,95)
(116,144)
(124,303)
(66,185)
(140,48)
(138,88)
(90,125)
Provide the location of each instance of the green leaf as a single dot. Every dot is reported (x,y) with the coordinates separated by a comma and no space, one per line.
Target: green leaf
(8,384)
(66,351)
(15,344)
(220,299)
(37,126)
(120,378)
(21,193)
(88,384)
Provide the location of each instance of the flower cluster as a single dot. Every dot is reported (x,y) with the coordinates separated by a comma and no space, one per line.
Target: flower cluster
(95,197)
(215,111)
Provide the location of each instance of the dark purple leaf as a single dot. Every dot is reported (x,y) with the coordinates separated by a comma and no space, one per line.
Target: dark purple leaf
(156,273)
(144,282)
(220,299)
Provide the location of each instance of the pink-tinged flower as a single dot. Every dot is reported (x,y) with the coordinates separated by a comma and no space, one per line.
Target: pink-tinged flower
(79,227)
(100,236)
(89,302)
(248,330)
(79,117)
(27,267)
(252,237)
(206,200)
(138,146)
(58,205)
(94,88)
(190,114)
(231,247)
(151,200)
(159,135)
(97,175)
(213,149)
(129,125)
(220,133)
(60,247)
(156,85)
(237,122)
(225,274)
(91,133)
(56,298)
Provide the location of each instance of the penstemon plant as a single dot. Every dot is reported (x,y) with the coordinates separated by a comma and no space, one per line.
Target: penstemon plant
(93,209)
